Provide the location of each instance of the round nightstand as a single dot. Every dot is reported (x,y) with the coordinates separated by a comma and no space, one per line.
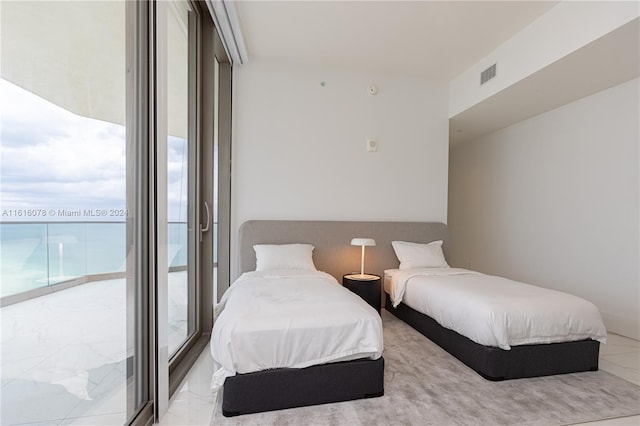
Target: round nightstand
(366,286)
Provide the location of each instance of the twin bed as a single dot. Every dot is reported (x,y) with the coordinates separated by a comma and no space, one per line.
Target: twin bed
(306,340)
(289,335)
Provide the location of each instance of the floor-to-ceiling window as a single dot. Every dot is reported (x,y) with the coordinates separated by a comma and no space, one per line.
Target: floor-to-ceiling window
(177,173)
(106,110)
(71,289)
(179,144)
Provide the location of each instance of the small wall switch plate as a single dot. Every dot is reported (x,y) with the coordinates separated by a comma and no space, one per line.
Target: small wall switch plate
(372,145)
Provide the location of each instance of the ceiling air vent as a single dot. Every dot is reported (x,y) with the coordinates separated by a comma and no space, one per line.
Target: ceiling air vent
(488,74)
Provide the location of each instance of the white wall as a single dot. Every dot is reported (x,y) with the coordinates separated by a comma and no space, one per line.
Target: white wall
(564,29)
(299,149)
(553,201)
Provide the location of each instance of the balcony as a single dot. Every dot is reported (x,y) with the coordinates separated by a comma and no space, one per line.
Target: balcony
(64,319)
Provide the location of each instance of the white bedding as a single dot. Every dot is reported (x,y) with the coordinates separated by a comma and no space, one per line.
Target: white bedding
(495,311)
(275,319)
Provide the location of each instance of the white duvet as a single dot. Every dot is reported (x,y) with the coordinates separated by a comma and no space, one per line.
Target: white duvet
(495,311)
(293,319)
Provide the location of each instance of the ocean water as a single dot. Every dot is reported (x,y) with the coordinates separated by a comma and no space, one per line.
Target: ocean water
(35,255)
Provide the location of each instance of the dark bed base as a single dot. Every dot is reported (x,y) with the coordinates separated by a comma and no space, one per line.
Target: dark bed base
(497,364)
(281,388)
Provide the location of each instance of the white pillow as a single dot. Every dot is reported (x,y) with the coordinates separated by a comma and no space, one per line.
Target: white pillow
(284,256)
(415,255)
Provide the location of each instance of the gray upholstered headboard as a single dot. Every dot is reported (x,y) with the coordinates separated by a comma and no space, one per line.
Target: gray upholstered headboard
(333,252)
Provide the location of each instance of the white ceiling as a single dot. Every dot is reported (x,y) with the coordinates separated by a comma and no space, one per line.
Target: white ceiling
(601,64)
(437,40)
(429,39)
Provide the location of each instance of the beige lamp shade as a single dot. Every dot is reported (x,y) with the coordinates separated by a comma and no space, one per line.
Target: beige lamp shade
(364,242)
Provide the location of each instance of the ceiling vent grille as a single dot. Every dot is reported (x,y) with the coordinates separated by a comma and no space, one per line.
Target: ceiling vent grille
(487,74)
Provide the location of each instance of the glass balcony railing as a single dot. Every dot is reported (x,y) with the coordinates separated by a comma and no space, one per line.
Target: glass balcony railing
(35,255)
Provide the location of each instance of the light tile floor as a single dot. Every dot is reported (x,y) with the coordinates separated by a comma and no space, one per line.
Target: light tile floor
(193,403)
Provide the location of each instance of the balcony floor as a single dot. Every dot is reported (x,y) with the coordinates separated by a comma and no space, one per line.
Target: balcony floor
(64,355)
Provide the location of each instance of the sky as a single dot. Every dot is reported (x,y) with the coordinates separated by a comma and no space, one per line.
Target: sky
(53,160)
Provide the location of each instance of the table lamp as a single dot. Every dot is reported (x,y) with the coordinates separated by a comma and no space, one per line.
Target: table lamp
(363,242)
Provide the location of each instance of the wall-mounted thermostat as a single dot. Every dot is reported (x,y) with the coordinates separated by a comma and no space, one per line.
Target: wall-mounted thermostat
(372,89)
(372,145)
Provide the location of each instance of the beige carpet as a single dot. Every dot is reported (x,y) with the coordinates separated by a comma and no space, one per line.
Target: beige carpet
(426,386)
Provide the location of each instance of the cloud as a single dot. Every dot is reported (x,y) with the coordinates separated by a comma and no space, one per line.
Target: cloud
(52,158)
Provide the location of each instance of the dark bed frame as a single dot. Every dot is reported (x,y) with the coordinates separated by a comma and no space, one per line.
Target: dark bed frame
(281,388)
(498,364)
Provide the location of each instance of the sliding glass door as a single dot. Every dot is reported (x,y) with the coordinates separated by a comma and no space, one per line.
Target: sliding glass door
(178,142)
(72,226)
(181,216)
(106,204)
